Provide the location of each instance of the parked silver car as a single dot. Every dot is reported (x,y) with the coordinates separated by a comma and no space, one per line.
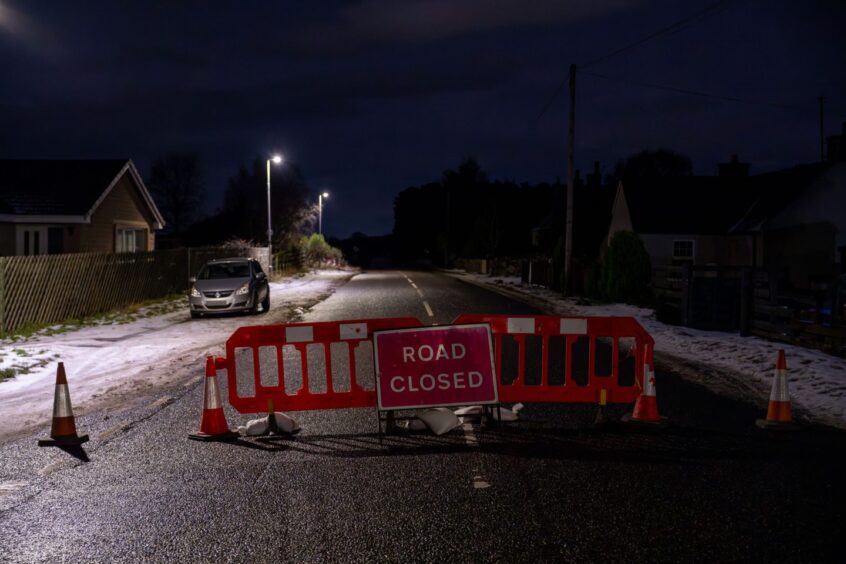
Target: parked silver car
(229,285)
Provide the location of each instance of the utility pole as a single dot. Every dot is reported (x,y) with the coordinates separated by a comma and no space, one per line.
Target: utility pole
(822,141)
(571,173)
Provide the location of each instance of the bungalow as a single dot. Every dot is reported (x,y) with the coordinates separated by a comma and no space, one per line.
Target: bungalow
(73,206)
(792,221)
(684,220)
(798,222)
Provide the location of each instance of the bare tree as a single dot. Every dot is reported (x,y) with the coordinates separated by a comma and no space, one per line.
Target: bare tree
(176,182)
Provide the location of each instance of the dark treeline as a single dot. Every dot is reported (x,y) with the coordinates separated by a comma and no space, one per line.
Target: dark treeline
(465,214)
(176,181)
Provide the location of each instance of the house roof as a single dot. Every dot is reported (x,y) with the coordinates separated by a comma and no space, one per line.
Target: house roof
(774,191)
(687,204)
(69,188)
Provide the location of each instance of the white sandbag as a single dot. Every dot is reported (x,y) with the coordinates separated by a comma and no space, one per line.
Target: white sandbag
(285,424)
(505,414)
(414,425)
(469,410)
(440,420)
(501,414)
(254,427)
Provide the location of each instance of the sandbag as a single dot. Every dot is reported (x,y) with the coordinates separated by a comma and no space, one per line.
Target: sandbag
(440,420)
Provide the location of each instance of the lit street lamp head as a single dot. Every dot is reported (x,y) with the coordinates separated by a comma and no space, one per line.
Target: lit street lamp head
(325,194)
(276,159)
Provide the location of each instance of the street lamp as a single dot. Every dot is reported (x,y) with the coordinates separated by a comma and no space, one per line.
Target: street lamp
(276,159)
(320,211)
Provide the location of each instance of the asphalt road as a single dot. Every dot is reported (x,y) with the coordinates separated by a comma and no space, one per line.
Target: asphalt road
(709,488)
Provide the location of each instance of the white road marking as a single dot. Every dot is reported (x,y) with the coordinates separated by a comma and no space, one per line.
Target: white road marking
(54,467)
(161,402)
(9,487)
(479,483)
(428,309)
(420,293)
(112,431)
(193,381)
(470,438)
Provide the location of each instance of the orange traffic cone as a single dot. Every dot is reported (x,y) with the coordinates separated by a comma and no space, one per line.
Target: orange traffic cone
(779,414)
(213,425)
(646,405)
(63,429)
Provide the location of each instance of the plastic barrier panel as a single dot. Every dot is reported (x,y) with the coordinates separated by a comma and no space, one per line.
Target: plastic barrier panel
(566,359)
(324,365)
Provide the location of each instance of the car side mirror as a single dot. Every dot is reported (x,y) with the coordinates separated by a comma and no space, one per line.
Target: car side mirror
(192,280)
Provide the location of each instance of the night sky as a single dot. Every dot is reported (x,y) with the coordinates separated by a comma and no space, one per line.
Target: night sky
(370,97)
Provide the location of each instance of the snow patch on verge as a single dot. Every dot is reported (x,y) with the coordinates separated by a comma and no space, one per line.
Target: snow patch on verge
(115,366)
(724,362)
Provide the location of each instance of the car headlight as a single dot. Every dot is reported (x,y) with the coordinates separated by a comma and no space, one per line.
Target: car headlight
(243,289)
(195,293)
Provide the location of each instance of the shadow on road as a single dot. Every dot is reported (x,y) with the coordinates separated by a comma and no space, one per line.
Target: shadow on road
(77,452)
(618,443)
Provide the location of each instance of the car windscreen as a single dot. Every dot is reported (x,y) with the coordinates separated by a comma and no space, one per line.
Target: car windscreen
(225,270)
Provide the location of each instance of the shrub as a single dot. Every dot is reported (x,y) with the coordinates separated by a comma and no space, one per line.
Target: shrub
(626,270)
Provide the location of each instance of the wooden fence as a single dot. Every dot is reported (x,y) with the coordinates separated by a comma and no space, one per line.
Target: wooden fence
(754,301)
(540,272)
(38,290)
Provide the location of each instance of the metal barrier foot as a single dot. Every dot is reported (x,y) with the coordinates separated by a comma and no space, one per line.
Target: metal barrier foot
(220,437)
(659,423)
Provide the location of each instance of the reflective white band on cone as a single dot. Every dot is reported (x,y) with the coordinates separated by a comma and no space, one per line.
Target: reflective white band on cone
(61,402)
(212,396)
(648,381)
(779,390)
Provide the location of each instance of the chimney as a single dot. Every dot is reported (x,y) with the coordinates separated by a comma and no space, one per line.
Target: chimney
(836,147)
(594,179)
(733,169)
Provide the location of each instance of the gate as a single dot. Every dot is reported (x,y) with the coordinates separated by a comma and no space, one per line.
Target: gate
(566,359)
(329,365)
(302,366)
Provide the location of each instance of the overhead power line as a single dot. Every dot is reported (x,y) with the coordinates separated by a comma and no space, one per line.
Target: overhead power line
(675,27)
(693,92)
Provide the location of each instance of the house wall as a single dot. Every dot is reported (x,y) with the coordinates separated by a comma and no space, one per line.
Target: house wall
(7,239)
(73,238)
(122,207)
(823,202)
(721,250)
(806,252)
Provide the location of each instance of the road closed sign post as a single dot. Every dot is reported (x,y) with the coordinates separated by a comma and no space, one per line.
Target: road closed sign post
(434,366)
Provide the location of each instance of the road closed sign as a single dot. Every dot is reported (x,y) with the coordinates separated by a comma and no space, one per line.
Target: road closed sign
(434,366)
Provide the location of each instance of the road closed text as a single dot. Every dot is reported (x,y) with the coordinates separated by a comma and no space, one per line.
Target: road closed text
(433,366)
(443,381)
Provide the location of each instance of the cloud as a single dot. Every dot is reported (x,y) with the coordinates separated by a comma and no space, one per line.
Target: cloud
(374,22)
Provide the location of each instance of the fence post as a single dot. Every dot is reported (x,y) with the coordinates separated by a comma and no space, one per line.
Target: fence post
(687,276)
(2,296)
(746,301)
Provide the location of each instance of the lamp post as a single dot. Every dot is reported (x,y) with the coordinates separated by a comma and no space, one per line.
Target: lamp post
(276,159)
(320,211)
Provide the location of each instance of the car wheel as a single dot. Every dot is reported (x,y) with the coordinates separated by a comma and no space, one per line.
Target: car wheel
(265,303)
(195,314)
